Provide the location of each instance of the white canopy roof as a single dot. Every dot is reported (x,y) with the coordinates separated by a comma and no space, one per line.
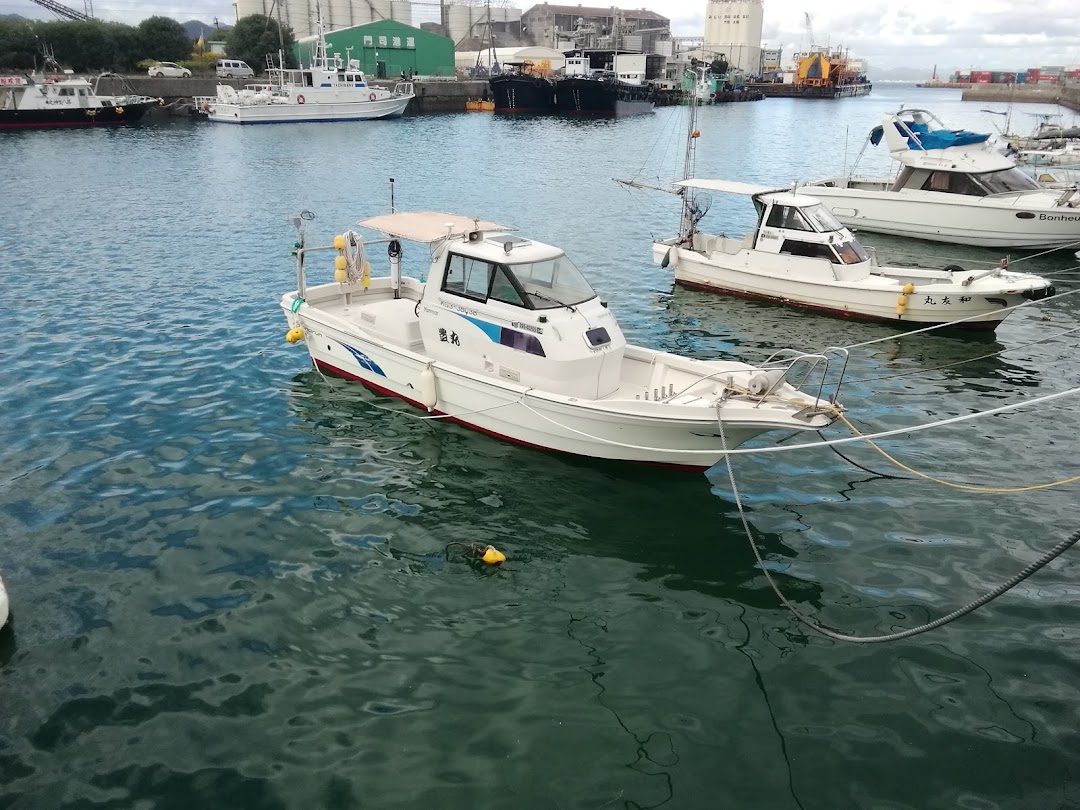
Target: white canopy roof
(428,226)
(801,198)
(726,186)
(533,53)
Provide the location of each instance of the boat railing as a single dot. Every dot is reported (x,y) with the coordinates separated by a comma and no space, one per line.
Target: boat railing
(793,360)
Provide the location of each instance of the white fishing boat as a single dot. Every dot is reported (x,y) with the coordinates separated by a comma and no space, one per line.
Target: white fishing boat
(4,607)
(329,89)
(800,255)
(953,186)
(506,336)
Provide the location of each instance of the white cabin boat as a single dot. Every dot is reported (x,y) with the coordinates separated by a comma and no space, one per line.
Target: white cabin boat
(800,255)
(36,101)
(953,186)
(507,337)
(326,90)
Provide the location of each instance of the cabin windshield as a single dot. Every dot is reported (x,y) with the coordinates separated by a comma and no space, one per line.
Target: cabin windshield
(551,283)
(822,219)
(851,252)
(1005,180)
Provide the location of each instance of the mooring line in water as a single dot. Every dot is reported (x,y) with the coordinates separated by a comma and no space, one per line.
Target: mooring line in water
(933,327)
(953,485)
(962,362)
(989,596)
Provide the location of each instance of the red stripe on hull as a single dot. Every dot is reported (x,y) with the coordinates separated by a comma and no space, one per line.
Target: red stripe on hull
(347,375)
(975,326)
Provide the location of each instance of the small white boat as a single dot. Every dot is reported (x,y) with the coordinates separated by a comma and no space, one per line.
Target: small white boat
(800,255)
(326,90)
(4,606)
(506,336)
(953,186)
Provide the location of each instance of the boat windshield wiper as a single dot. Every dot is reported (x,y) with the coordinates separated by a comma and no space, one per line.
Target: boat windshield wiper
(549,298)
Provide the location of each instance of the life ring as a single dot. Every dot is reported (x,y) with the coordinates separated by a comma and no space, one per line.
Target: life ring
(371,97)
(299,99)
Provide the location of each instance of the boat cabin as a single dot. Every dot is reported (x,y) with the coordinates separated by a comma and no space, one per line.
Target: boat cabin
(798,225)
(496,303)
(39,93)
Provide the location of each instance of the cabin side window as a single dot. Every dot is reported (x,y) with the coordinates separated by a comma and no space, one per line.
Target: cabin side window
(468,277)
(810,250)
(785,216)
(952,183)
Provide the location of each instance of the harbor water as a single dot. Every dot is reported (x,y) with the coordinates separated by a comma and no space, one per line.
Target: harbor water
(238,584)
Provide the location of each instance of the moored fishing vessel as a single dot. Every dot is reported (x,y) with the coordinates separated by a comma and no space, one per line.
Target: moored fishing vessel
(326,90)
(34,101)
(506,336)
(801,256)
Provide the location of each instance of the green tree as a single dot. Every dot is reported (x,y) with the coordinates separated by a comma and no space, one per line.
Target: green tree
(255,36)
(165,39)
(90,45)
(18,45)
(719,65)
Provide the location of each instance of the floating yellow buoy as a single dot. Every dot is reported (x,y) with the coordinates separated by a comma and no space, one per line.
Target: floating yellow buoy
(492,556)
(294,335)
(339,242)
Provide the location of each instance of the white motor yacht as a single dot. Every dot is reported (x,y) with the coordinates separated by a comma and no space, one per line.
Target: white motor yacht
(953,186)
(800,255)
(326,90)
(504,335)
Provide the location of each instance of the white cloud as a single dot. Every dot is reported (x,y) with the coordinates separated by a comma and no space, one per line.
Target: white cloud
(959,34)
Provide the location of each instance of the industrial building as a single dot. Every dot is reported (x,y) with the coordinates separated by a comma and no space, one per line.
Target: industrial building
(386,49)
(567,27)
(460,20)
(733,28)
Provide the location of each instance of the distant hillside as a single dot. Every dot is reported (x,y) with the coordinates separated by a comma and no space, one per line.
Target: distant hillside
(12,17)
(197,28)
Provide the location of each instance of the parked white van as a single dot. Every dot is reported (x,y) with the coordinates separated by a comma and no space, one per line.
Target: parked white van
(228,68)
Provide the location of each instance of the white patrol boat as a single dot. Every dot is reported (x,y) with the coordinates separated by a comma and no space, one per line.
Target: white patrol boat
(326,90)
(953,186)
(506,336)
(800,255)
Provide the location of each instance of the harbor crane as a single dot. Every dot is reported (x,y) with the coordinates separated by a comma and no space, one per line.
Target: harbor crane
(809,32)
(66,12)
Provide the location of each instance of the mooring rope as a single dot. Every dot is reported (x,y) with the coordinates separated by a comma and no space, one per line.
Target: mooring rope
(989,596)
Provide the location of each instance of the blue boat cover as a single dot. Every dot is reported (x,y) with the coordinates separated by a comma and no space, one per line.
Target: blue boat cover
(921,136)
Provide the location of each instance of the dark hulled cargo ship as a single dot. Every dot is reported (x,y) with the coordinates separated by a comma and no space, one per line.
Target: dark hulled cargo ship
(520,91)
(601,95)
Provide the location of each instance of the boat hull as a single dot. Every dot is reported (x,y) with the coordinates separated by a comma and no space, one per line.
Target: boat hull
(581,96)
(294,113)
(631,432)
(928,305)
(522,95)
(74,116)
(1027,221)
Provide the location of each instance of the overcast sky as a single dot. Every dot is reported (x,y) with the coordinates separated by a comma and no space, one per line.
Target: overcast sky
(988,34)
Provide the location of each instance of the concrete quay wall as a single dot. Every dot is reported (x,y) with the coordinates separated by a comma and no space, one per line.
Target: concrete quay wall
(431,96)
(1065,95)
